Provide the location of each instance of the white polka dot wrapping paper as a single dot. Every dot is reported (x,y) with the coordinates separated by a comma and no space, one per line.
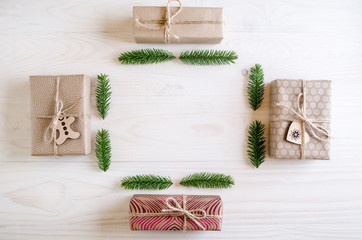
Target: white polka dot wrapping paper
(317,94)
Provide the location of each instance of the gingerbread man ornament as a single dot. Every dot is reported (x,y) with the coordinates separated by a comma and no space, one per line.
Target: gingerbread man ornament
(64,130)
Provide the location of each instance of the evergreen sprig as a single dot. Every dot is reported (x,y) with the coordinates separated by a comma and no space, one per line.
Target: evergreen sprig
(208,180)
(208,57)
(256,86)
(103,149)
(146,56)
(256,143)
(103,95)
(193,57)
(150,181)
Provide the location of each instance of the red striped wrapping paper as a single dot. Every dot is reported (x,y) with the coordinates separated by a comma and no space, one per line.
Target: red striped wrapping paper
(146,212)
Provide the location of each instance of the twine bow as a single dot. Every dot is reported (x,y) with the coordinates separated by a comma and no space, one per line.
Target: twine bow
(191,214)
(307,123)
(168,23)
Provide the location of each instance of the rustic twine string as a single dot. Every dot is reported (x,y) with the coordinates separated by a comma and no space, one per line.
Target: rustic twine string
(174,209)
(58,113)
(167,25)
(192,214)
(307,123)
(58,108)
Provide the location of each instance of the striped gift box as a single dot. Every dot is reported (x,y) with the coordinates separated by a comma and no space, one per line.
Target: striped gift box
(176,212)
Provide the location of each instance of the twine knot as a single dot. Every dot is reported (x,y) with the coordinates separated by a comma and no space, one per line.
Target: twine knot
(194,215)
(301,114)
(168,22)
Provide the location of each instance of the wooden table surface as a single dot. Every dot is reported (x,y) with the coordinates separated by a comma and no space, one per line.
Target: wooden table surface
(173,119)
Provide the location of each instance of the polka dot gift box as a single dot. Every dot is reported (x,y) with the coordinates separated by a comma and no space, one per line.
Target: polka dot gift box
(300,119)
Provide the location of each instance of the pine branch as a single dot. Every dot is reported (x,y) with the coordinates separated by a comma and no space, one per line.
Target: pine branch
(193,57)
(256,143)
(103,149)
(208,57)
(256,86)
(153,182)
(103,95)
(146,56)
(208,180)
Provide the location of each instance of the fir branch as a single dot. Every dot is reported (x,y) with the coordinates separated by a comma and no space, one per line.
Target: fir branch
(103,95)
(256,86)
(256,143)
(103,149)
(193,57)
(146,56)
(208,57)
(153,182)
(208,180)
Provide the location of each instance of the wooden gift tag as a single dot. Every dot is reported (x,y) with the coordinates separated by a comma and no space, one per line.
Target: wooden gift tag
(64,130)
(295,132)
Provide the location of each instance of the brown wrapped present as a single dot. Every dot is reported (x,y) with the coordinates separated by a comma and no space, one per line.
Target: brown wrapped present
(60,107)
(178,24)
(175,212)
(300,119)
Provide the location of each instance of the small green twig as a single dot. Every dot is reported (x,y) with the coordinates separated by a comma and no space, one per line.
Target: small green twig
(256,87)
(103,95)
(208,180)
(146,56)
(103,149)
(150,181)
(256,143)
(208,57)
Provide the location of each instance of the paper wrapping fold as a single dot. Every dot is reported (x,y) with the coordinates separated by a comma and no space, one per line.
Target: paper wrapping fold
(74,92)
(152,205)
(191,25)
(318,106)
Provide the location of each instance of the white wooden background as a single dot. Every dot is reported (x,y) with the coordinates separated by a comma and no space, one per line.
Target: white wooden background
(172,119)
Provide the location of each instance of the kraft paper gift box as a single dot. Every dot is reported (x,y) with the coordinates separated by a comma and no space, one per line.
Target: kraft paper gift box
(189,25)
(176,212)
(60,119)
(300,119)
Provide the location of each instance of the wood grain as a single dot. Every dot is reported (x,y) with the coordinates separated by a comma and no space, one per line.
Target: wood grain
(172,119)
